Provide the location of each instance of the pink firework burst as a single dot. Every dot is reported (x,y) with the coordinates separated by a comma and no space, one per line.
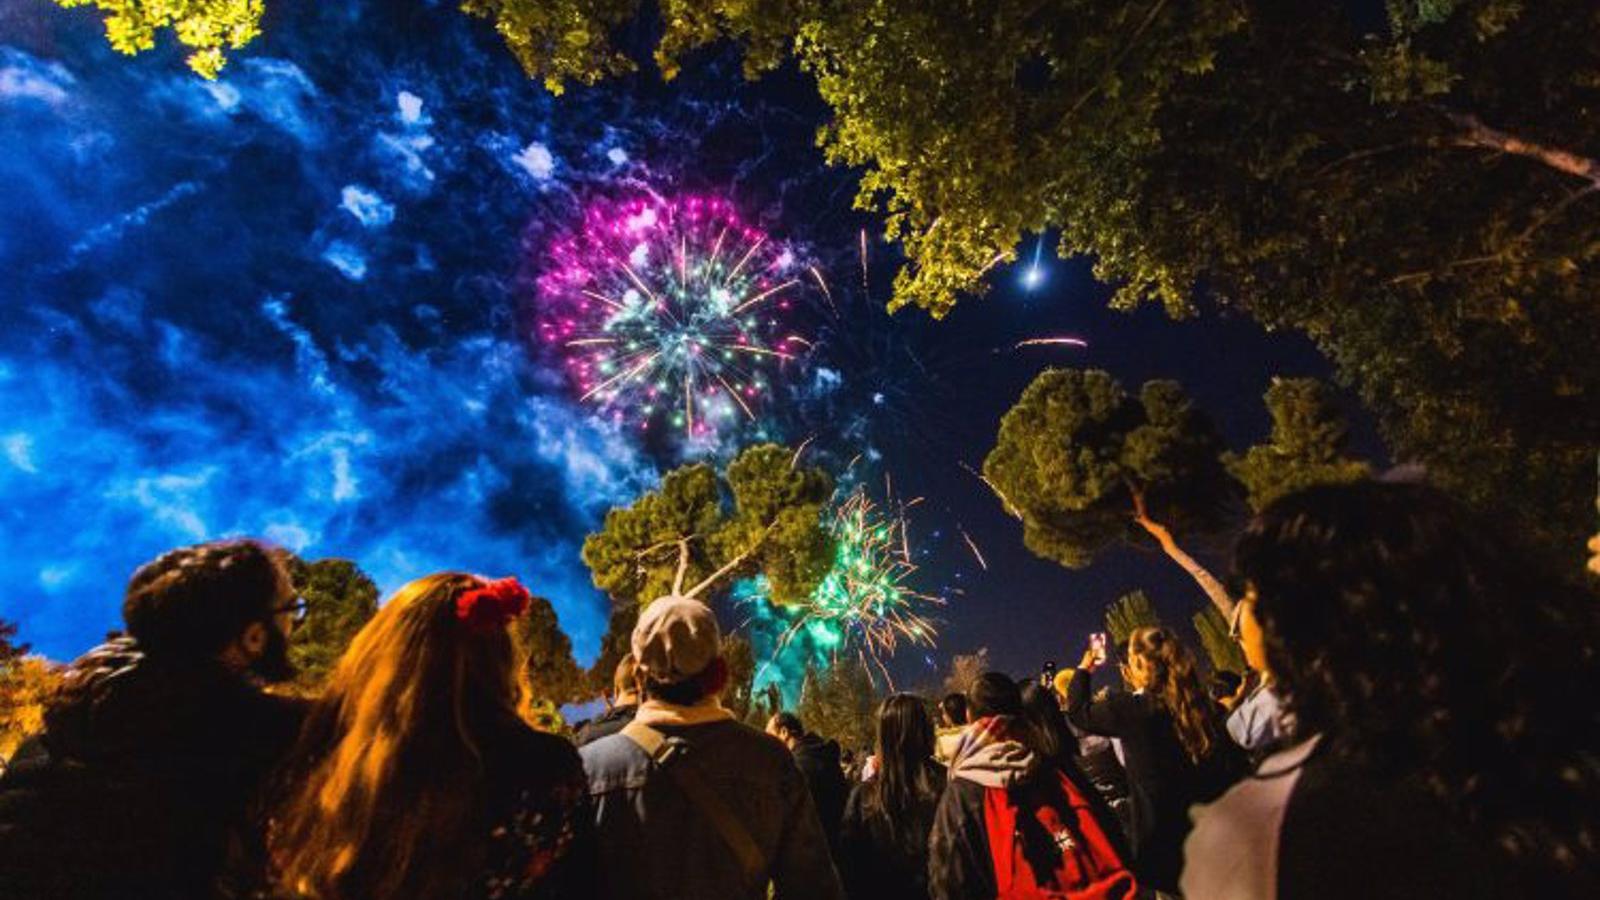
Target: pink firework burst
(669,312)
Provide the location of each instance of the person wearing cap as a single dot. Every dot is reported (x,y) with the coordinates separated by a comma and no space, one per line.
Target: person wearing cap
(689,803)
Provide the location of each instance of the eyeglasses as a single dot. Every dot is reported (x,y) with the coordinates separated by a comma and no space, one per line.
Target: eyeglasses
(298,609)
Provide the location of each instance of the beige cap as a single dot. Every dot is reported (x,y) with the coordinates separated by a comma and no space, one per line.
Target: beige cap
(676,638)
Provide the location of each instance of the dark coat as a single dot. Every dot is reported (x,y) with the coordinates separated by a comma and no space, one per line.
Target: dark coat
(144,780)
(819,762)
(1162,781)
(655,844)
(614,720)
(881,859)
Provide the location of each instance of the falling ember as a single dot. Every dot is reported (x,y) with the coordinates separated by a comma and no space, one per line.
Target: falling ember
(1052,342)
(669,309)
(973,546)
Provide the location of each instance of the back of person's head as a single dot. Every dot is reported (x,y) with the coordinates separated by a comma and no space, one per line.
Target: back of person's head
(787,723)
(1173,681)
(905,745)
(623,678)
(1422,645)
(994,694)
(193,602)
(954,708)
(1224,684)
(388,776)
(677,649)
(1052,739)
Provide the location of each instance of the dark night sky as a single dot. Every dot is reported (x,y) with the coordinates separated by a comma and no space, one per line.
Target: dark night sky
(200,335)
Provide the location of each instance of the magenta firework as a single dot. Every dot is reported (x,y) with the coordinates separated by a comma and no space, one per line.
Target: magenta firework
(669,312)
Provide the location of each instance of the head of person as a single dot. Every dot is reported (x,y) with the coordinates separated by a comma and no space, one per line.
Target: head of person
(1052,738)
(994,694)
(624,678)
(1161,665)
(225,600)
(953,710)
(1422,645)
(677,652)
(386,783)
(786,727)
(904,749)
(1224,684)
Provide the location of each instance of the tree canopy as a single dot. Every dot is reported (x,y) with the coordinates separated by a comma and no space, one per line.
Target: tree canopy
(1127,614)
(208,27)
(553,674)
(1309,444)
(340,599)
(1387,190)
(841,703)
(1085,466)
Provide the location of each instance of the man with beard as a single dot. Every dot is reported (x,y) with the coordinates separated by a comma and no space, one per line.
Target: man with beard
(159,741)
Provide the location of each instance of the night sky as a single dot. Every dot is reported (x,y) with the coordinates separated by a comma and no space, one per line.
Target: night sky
(299,303)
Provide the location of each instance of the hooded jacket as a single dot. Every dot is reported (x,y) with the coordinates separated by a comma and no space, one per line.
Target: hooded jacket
(990,756)
(141,781)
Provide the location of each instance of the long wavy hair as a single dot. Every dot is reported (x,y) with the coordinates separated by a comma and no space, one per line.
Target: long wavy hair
(1423,646)
(905,789)
(388,776)
(1174,683)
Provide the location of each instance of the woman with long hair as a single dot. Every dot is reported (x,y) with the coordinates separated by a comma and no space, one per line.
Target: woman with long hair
(1174,747)
(883,839)
(1440,692)
(1054,741)
(416,775)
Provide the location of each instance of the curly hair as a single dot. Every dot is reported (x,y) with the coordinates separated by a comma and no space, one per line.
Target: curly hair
(192,601)
(1423,647)
(1175,684)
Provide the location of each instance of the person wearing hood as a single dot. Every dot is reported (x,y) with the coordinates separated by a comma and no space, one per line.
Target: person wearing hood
(158,743)
(819,761)
(1011,822)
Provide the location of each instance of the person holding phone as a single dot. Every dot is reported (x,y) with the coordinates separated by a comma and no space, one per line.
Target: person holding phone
(1175,749)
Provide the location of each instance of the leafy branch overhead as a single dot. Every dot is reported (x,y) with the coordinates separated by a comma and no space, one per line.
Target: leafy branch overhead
(208,27)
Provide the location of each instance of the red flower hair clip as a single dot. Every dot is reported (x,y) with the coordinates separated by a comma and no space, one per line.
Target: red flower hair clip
(493,604)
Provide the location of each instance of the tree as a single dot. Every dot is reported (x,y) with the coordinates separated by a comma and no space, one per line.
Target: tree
(208,26)
(839,702)
(26,685)
(699,533)
(1127,614)
(964,671)
(553,674)
(1223,651)
(340,599)
(1307,446)
(740,694)
(1085,467)
(1388,191)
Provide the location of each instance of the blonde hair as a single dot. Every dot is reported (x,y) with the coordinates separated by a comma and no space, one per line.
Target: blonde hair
(1175,684)
(388,774)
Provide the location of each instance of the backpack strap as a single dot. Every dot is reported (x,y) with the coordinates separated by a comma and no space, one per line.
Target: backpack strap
(661,751)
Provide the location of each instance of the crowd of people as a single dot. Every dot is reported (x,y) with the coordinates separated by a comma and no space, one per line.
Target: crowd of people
(1419,721)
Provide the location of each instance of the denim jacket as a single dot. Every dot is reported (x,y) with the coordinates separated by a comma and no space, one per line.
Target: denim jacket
(656,845)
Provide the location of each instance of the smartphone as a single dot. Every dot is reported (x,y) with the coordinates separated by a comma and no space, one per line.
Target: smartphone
(1097,643)
(1047,674)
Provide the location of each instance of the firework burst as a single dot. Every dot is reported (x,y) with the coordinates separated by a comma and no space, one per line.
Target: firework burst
(866,599)
(669,312)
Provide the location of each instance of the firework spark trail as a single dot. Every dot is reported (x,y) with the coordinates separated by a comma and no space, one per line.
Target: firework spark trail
(1052,342)
(826,293)
(652,301)
(866,597)
(971,544)
(864,285)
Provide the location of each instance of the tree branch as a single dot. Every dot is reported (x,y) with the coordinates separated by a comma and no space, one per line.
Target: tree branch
(1474,133)
(1163,535)
(730,565)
